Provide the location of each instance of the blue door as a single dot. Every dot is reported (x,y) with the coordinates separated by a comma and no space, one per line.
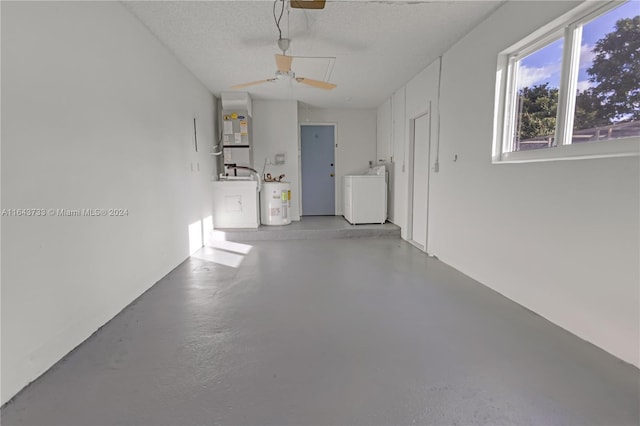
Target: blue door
(318,170)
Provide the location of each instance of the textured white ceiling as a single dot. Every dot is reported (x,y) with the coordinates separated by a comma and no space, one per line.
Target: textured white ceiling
(378,46)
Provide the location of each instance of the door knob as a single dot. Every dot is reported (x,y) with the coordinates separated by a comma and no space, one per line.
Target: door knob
(331,174)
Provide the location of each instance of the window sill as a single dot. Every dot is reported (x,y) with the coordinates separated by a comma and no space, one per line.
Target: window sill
(627,147)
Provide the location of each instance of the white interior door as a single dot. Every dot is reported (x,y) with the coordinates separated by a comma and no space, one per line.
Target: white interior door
(420,181)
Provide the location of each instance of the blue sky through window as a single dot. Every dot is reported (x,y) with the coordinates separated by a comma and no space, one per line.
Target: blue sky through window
(543,66)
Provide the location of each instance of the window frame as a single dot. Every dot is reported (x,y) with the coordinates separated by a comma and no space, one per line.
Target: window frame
(568,26)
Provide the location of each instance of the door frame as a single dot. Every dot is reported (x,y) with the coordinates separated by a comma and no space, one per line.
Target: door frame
(335,162)
(410,176)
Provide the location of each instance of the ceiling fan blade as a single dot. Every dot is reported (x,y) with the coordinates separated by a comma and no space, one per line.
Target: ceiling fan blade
(316,83)
(253,83)
(283,63)
(308,4)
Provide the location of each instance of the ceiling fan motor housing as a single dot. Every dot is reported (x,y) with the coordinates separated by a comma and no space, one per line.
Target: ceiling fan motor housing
(281,75)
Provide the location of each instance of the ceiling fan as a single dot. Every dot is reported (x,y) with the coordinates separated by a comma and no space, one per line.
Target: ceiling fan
(284,72)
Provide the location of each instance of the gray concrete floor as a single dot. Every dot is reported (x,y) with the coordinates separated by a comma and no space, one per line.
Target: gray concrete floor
(329,332)
(325,223)
(312,227)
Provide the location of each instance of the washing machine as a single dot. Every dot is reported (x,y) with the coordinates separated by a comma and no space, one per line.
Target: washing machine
(275,203)
(365,197)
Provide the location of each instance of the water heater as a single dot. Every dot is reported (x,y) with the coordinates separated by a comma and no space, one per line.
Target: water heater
(275,203)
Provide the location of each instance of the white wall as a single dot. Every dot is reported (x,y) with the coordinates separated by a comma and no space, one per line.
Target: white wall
(384,149)
(275,131)
(96,113)
(561,238)
(417,97)
(400,183)
(356,140)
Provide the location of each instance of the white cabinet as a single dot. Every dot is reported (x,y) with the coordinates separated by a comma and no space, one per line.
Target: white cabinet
(235,204)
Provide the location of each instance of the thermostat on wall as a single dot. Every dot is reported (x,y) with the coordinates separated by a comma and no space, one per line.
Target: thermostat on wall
(279,159)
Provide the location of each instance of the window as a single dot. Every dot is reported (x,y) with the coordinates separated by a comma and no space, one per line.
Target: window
(572,90)
(537,88)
